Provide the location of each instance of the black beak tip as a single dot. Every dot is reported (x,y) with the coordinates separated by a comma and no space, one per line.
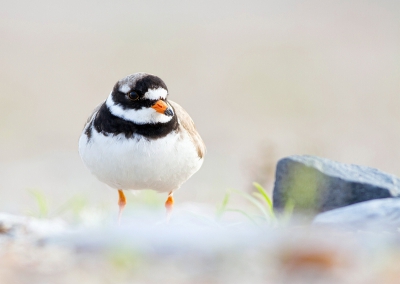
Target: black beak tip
(168,112)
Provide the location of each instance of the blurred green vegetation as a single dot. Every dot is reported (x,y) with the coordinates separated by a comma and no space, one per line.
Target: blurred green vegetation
(258,209)
(258,199)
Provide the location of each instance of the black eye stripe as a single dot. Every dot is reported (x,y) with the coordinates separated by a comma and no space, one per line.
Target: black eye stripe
(125,102)
(140,87)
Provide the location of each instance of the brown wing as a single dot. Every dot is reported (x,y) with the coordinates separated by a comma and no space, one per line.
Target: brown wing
(187,123)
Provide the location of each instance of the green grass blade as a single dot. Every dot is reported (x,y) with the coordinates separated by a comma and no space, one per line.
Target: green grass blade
(42,203)
(266,197)
(262,199)
(222,207)
(263,193)
(253,201)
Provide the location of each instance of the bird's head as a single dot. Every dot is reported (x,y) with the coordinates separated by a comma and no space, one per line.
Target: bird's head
(140,98)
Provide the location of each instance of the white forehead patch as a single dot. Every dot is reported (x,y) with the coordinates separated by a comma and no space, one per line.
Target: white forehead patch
(156,94)
(124,88)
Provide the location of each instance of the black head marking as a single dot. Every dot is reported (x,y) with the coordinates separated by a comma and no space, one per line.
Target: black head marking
(139,83)
(149,82)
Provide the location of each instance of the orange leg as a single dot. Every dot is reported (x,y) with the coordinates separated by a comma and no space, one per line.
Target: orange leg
(121,204)
(169,205)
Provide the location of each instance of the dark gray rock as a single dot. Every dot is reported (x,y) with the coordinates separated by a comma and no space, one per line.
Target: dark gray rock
(373,215)
(312,184)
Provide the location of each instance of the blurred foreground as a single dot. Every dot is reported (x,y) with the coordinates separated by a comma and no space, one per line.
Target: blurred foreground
(192,248)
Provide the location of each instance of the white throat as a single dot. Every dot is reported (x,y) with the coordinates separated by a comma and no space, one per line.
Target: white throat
(141,116)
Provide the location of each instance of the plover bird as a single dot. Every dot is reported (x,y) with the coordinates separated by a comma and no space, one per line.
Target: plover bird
(137,139)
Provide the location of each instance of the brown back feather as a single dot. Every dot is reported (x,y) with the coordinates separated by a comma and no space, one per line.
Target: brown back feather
(187,123)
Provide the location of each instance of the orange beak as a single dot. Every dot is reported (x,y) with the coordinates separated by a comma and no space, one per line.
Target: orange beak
(161,107)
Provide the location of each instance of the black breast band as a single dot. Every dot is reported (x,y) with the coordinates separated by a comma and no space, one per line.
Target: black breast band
(108,124)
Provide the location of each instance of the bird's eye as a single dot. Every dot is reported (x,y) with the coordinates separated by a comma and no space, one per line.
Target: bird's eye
(133,96)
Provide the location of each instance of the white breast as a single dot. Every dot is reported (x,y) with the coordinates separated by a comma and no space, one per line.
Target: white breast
(139,163)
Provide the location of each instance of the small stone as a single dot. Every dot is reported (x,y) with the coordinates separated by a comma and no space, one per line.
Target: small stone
(3,229)
(18,226)
(374,215)
(312,184)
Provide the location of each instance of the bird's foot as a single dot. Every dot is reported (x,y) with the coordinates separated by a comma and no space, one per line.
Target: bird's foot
(169,205)
(121,204)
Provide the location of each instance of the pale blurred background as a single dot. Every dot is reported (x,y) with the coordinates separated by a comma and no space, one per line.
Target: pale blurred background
(261,79)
